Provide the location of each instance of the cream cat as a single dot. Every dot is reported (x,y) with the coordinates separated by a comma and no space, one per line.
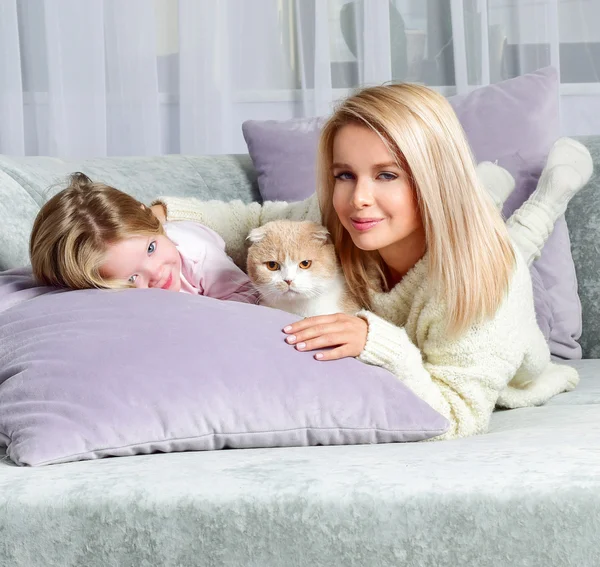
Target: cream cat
(294,267)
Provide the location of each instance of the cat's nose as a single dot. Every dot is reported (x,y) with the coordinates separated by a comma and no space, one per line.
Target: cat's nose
(289,282)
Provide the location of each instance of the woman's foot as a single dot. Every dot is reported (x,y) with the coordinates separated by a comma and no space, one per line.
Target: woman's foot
(498,182)
(568,169)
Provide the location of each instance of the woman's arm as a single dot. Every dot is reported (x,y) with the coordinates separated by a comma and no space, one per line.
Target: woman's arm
(234,220)
(220,278)
(503,361)
(460,379)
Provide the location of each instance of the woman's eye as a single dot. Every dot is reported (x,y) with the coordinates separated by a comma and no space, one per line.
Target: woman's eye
(273,266)
(132,279)
(344,176)
(152,247)
(385,176)
(305,264)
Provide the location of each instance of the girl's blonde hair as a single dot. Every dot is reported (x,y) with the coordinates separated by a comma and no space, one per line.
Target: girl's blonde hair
(73,229)
(470,258)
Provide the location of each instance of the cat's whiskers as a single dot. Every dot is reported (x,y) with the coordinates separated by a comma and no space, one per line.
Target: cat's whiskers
(312,293)
(268,293)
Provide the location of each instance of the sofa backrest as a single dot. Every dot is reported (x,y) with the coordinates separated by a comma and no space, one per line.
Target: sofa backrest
(27,182)
(583,220)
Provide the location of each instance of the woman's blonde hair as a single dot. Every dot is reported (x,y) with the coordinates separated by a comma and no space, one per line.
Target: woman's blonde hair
(470,257)
(73,229)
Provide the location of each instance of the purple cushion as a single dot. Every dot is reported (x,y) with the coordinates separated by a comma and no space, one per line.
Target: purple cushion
(543,303)
(88,374)
(280,146)
(514,122)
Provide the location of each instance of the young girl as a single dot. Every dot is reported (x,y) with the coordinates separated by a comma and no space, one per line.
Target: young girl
(445,288)
(90,235)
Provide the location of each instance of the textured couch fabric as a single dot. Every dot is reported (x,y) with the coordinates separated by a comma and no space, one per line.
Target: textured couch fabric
(525,494)
(583,220)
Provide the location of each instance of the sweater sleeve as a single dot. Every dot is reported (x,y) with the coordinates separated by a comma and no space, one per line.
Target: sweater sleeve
(460,379)
(234,220)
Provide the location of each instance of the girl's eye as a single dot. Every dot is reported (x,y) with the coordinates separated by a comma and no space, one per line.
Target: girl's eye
(272,266)
(386,176)
(344,176)
(152,247)
(305,264)
(132,279)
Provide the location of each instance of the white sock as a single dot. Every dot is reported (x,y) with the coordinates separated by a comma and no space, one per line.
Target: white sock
(568,169)
(498,182)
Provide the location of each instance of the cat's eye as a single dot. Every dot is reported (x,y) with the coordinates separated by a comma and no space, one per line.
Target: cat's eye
(273,266)
(305,264)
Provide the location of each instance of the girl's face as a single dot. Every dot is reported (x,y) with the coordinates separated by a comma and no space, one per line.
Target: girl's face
(144,261)
(372,196)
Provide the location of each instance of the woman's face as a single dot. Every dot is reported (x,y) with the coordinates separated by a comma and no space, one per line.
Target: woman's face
(373,197)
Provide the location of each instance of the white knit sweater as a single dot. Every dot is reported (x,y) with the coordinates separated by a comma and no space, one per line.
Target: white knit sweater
(504,361)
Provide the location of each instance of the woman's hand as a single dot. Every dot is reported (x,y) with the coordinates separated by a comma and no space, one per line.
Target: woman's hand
(159,212)
(347,333)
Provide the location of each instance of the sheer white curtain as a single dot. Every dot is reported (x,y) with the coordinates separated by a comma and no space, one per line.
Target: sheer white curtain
(145,77)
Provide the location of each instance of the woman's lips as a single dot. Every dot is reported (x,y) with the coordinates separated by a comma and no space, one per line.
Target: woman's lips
(364,224)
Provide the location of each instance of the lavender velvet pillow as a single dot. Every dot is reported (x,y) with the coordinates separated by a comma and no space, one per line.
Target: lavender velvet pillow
(284,155)
(89,374)
(515,123)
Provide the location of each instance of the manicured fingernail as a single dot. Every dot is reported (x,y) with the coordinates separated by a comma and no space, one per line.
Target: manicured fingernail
(291,339)
(300,346)
(319,356)
(287,329)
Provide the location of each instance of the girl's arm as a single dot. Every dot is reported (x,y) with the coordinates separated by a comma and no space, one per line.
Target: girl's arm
(206,264)
(220,278)
(234,220)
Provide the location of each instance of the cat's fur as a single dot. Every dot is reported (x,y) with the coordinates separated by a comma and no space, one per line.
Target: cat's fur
(319,289)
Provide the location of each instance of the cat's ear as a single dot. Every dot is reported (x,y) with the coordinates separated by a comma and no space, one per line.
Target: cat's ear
(321,234)
(257,234)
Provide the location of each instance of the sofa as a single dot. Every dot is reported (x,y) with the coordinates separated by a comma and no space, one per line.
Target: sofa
(527,493)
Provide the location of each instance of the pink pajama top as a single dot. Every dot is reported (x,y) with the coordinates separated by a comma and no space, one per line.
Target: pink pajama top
(205,267)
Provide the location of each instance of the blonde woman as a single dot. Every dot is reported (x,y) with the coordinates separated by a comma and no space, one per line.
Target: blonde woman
(91,235)
(443,281)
